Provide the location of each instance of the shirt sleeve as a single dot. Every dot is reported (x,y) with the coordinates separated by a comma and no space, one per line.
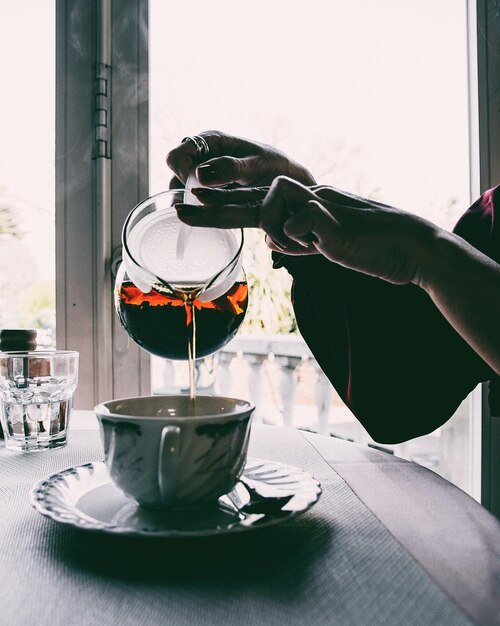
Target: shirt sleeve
(391,355)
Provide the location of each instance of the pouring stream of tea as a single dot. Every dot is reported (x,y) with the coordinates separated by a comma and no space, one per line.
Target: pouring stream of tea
(186,258)
(189,299)
(184,233)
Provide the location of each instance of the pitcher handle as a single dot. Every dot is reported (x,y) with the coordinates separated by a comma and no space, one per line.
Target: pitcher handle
(167,463)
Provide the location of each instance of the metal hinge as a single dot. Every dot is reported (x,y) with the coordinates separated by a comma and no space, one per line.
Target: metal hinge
(116,260)
(102,112)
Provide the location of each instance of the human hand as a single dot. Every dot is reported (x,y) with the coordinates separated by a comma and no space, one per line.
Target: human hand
(357,233)
(233,160)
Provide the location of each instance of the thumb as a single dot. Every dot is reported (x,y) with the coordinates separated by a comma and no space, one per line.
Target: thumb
(292,195)
(313,224)
(285,196)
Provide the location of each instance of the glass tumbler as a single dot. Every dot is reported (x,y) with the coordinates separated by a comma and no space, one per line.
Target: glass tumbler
(36,397)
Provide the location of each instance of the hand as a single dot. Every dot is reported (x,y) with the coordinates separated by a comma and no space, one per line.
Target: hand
(243,208)
(359,234)
(234,160)
(240,208)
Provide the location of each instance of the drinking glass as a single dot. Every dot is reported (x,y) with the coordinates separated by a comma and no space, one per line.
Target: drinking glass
(36,396)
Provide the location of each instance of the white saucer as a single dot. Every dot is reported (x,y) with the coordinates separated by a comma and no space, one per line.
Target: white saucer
(85,497)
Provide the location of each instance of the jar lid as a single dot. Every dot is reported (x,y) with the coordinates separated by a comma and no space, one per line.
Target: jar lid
(18,339)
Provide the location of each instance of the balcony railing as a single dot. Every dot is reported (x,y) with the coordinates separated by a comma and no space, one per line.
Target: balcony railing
(242,368)
(279,374)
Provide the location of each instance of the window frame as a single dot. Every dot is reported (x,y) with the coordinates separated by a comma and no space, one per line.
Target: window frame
(101,59)
(95,192)
(484,106)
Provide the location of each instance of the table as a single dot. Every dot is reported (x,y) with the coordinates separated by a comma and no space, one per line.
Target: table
(389,542)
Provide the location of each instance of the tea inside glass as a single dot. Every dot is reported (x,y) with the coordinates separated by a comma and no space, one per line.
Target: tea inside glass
(181,292)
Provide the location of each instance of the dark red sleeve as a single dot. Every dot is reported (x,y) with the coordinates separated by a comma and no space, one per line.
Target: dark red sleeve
(391,355)
(480,225)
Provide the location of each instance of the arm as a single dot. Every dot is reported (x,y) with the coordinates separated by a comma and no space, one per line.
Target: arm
(394,358)
(465,286)
(377,240)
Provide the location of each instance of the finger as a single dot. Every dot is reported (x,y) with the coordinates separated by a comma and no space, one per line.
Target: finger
(274,245)
(299,227)
(285,196)
(289,195)
(225,216)
(230,169)
(209,197)
(175,183)
(182,159)
(293,248)
(272,216)
(314,225)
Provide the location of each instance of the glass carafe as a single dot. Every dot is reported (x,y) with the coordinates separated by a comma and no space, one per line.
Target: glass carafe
(180,292)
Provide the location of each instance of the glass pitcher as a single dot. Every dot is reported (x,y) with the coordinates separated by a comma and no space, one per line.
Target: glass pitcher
(180,292)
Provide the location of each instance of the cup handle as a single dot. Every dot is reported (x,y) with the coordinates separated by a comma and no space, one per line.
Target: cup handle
(167,463)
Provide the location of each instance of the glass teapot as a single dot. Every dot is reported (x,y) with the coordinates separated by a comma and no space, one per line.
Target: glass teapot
(180,292)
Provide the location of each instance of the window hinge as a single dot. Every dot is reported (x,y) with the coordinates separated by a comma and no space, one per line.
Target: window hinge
(102,112)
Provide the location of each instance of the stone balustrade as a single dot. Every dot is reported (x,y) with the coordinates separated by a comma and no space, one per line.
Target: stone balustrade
(222,374)
(287,351)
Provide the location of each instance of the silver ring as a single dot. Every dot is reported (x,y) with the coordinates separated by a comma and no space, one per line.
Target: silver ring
(202,149)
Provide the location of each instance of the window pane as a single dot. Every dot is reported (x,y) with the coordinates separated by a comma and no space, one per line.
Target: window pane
(27,48)
(371,97)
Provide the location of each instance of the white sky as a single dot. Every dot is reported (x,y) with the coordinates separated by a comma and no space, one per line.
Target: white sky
(27,48)
(27,131)
(371,96)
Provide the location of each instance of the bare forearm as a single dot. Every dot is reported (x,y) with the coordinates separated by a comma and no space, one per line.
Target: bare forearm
(465,286)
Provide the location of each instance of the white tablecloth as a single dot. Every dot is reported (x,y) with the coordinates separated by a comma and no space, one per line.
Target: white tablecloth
(388,543)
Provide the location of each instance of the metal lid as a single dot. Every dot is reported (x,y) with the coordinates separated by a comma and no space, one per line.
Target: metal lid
(18,339)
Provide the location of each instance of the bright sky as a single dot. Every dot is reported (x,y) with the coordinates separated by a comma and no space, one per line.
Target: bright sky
(27,76)
(371,96)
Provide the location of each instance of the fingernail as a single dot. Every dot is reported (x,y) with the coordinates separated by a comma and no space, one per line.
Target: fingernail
(202,192)
(308,239)
(185,209)
(280,247)
(208,172)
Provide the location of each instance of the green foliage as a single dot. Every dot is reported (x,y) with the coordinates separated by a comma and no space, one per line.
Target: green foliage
(39,308)
(270,309)
(8,226)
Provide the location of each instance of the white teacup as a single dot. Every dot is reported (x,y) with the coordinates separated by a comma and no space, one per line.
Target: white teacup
(171,452)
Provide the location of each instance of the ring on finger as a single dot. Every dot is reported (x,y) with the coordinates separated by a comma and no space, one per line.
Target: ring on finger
(202,149)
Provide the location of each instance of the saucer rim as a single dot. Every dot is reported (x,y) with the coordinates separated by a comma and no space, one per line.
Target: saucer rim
(83,521)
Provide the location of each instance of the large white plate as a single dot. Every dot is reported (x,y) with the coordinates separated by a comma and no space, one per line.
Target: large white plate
(85,497)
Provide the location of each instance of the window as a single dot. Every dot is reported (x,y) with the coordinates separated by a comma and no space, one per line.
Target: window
(349,90)
(27,218)
(379,99)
